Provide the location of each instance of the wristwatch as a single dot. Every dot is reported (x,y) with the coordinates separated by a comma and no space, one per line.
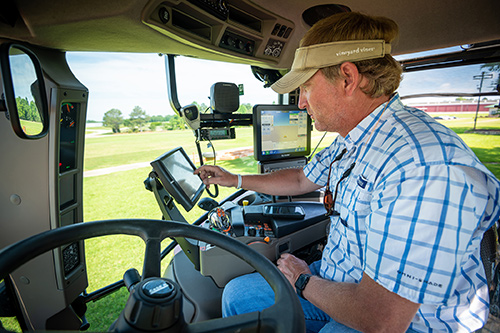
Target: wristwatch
(301,284)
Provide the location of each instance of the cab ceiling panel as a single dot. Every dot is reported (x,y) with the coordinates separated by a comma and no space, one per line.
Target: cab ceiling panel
(424,25)
(260,32)
(235,28)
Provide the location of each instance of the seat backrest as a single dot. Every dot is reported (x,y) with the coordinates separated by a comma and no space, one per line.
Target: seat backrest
(491,261)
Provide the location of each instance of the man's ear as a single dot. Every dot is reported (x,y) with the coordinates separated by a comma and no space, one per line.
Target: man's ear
(351,77)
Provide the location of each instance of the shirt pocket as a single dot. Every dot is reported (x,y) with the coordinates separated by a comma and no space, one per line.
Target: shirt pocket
(356,199)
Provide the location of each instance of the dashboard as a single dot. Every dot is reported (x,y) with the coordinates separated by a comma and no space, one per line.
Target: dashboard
(269,228)
(269,225)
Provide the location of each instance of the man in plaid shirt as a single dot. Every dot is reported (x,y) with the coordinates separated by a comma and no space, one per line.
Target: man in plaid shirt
(408,200)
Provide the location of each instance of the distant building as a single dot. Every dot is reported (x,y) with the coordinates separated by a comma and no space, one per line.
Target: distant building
(455,106)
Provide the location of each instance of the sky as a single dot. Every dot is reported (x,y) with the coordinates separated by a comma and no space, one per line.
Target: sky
(125,80)
(23,75)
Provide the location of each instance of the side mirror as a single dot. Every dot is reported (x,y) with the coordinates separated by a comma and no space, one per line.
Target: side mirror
(24,97)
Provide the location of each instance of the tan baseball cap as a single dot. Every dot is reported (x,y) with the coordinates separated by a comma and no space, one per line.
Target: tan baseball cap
(309,59)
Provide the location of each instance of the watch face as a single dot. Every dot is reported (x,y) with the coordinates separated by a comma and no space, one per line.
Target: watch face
(302,281)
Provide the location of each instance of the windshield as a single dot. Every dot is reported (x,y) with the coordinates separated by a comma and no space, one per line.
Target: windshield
(458,80)
(123,81)
(196,76)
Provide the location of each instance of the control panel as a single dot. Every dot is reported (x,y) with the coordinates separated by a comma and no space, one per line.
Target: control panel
(68,136)
(266,220)
(224,28)
(281,30)
(274,48)
(208,134)
(258,229)
(237,43)
(271,229)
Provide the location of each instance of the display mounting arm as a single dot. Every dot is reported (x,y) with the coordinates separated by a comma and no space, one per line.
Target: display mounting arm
(172,83)
(171,213)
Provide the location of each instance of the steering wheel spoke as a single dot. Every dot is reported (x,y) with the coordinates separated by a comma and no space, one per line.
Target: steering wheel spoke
(152,258)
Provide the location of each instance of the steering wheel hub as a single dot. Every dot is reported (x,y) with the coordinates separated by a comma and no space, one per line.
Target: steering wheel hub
(154,304)
(158,289)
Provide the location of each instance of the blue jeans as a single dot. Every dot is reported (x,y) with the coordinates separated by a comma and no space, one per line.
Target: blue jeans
(251,292)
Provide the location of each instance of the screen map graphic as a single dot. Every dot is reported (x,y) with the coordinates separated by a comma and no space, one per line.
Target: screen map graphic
(283,131)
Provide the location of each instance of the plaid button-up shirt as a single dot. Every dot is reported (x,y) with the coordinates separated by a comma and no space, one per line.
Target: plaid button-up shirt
(415,208)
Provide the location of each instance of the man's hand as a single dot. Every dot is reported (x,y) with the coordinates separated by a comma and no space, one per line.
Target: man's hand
(212,174)
(292,267)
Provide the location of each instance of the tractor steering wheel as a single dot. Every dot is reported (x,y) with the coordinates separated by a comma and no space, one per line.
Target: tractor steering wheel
(284,316)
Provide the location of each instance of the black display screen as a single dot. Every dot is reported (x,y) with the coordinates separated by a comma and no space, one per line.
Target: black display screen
(175,171)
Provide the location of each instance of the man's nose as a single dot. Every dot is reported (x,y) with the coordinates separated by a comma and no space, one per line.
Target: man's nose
(302,100)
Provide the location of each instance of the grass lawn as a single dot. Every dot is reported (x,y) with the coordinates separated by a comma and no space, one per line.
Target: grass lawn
(122,195)
(118,149)
(31,127)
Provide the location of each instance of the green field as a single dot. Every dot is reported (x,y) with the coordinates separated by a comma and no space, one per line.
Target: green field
(118,149)
(31,127)
(122,195)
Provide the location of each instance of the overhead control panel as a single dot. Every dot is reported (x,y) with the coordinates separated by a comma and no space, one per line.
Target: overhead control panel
(237,43)
(235,27)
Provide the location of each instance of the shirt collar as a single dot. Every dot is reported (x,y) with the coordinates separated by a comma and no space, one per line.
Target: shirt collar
(359,133)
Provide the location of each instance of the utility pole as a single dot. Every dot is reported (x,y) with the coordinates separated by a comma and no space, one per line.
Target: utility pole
(480,77)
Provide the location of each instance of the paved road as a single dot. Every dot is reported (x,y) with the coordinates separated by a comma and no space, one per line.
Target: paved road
(105,171)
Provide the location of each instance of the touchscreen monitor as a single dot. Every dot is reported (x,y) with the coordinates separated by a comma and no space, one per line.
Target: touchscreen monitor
(280,132)
(175,171)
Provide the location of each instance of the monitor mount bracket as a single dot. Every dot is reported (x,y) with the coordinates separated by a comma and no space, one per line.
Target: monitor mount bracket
(170,212)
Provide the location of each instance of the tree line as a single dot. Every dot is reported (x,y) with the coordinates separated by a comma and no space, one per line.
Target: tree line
(139,120)
(27,110)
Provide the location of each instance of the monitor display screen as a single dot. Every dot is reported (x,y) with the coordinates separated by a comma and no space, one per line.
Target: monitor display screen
(175,171)
(281,131)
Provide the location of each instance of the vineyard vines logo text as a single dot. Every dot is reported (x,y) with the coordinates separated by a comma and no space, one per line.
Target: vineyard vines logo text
(355,51)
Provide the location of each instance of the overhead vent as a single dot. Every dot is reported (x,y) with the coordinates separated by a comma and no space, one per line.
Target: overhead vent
(186,22)
(316,13)
(238,16)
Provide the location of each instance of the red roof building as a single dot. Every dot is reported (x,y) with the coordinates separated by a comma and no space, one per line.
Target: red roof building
(455,107)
